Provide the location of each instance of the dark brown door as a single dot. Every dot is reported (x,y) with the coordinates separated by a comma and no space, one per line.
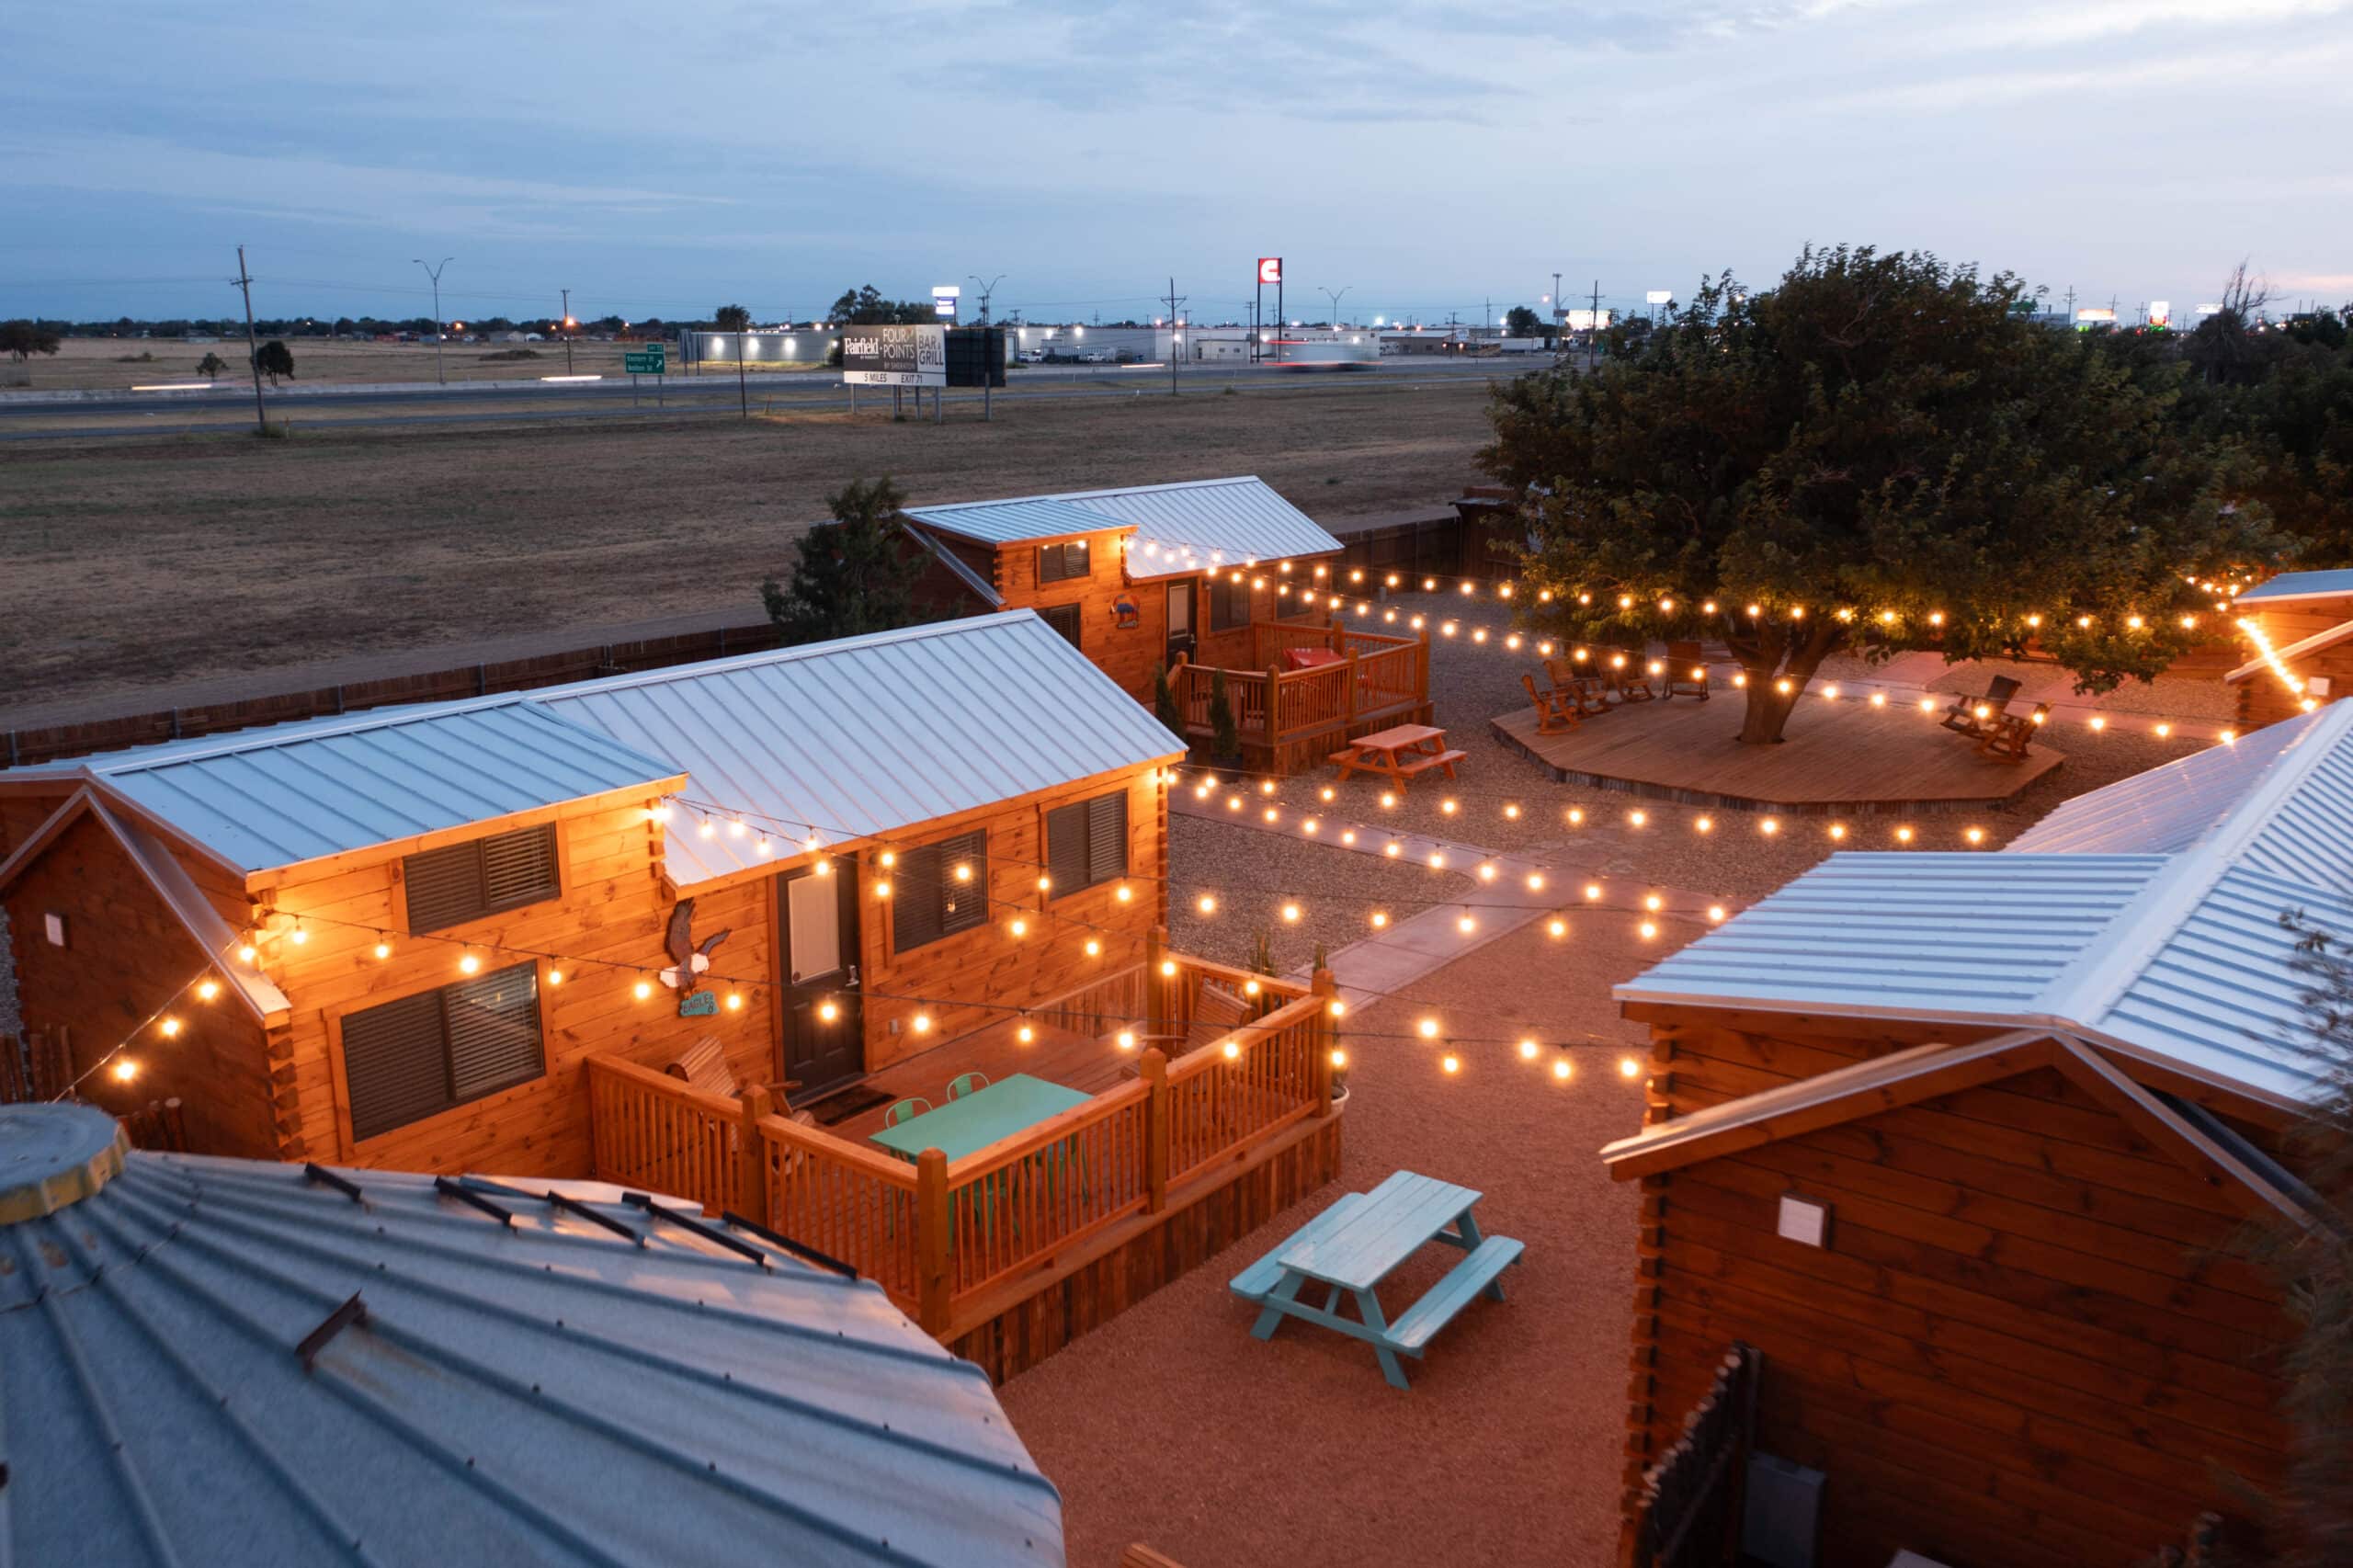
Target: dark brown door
(816,923)
(1180,619)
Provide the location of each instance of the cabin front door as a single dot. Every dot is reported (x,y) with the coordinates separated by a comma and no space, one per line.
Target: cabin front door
(817,953)
(1180,619)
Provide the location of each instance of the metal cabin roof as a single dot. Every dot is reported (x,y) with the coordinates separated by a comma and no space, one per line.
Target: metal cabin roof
(1013,522)
(2290,586)
(285,794)
(543,1393)
(871,735)
(2177,954)
(1184,528)
(984,590)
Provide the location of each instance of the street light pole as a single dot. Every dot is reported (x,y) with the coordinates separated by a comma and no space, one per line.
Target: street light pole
(1335,306)
(567,331)
(439,331)
(987,289)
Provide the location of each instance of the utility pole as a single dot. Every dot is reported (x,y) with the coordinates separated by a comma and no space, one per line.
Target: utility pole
(1559,314)
(1593,329)
(439,333)
(2071,304)
(567,335)
(1335,306)
(1176,334)
(986,290)
(253,350)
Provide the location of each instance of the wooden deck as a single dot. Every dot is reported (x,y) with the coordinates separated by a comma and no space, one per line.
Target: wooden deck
(1844,756)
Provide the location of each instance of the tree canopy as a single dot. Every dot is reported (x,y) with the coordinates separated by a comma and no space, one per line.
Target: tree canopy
(731,318)
(1876,454)
(20,340)
(274,360)
(1521,322)
(855,574)
(867,307)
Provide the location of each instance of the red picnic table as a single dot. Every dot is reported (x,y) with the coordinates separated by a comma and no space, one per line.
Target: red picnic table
(1397,754)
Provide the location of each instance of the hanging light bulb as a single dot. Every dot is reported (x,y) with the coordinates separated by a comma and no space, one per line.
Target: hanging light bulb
(125,1069)
(469,962)
(1628,1068)
(1528,1050)
(1094,947)
(921,1022)
(1427,1027)
(1560,1068)
(170,1029)
(206,989)
(1451,1063)
(641,989)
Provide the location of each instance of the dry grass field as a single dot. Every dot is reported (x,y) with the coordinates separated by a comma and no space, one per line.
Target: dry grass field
(116,362)
(131,564)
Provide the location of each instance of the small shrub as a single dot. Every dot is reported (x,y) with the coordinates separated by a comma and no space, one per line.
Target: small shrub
(1226,735)
(275,430)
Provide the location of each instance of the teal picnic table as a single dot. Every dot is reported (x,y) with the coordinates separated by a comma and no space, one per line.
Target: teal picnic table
(1358,1242)
(982,1118)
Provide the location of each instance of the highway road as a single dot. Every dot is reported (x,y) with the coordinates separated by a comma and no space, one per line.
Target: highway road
(225,408)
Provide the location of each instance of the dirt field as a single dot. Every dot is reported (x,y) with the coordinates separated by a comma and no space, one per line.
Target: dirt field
(115,362)
(127,564)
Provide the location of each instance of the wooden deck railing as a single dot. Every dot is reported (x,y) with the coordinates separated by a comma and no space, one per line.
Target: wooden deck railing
(939,1236)
(1273,705)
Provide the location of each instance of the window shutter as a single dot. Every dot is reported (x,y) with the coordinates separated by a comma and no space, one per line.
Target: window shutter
(1066,849)
(519,868)
(1074,559)
(444,886)
(493,1027)
(1107,838)
(964,904)
(915,913)
(1063,618)
(393,1064)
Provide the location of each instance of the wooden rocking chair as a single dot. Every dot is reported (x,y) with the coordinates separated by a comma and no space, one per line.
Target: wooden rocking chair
(1577,682)
(1975,716)
(1556,710)
(1686,671)
(1628,676)
(2007,736)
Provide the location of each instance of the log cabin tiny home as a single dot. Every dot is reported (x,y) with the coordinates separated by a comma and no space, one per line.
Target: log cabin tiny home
(1971,1148)
(1193,578)
(414,925)
(2297,632)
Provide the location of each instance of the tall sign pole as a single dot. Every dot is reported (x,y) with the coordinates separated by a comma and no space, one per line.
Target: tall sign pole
(253,350)
(1270,270)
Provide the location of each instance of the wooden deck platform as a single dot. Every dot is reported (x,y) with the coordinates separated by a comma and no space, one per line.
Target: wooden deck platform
(1841,756)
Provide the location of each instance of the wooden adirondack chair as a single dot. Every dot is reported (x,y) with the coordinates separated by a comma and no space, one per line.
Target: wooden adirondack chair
(1975,715)
(1686,671)
(1579,684)
(1556,710)
(2007,736)
(704,1066)
(1626,671)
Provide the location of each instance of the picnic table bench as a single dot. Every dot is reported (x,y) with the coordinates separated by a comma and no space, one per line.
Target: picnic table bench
(1358,1242)
(1398,753)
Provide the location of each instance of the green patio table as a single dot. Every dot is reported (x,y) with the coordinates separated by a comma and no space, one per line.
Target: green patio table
(967,1126)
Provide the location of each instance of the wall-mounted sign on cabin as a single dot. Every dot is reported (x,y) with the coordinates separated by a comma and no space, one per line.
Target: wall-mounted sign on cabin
(688,962)
(1125,616)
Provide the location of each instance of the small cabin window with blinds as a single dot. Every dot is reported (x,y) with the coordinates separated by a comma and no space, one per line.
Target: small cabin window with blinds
(482,876)
(930,901)
(407,1059)
(1063,618)
(1086,844)
(1061,563)
(1229,604)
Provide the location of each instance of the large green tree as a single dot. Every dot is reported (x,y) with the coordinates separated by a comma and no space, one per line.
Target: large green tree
(867,307)
(731,318)
(854,574)
(1875,455)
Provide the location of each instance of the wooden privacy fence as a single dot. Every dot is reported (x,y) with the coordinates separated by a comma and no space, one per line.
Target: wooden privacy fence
(1273,706)
(34,1066)
(939,1236)
(1686,1512)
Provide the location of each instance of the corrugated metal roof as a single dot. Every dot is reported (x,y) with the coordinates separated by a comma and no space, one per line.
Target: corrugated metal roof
(1011,522)
(2178,954)
(544,1394)
(958,568)
(2291,585)
(286,793)
(871,735)
(1183,527)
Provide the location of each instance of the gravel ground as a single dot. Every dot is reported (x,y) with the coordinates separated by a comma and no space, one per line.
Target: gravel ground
(1171,1425)
(1253,874)
(2172,695)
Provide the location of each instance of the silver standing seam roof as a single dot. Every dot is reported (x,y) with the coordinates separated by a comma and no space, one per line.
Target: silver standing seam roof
(176,1387)
(2145,915)
(1179,528)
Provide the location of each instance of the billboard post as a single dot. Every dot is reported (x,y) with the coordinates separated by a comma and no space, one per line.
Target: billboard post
(1270,270)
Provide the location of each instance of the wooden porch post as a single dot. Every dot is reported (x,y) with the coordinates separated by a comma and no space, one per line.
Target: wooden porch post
(931,1240)
(1326,990)
(1350,709)
(1422,666)
(1155,989)
(1155,1130)
(1274,712)
(751,1158)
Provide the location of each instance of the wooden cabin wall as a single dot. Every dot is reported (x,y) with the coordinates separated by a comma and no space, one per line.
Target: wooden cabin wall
(2262,698)
(2030,1338)
(1126,654)
(988,963)
(22,811)
(126,956)
(613,909)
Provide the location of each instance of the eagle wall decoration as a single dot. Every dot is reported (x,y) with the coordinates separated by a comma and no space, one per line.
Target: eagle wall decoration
(688,962)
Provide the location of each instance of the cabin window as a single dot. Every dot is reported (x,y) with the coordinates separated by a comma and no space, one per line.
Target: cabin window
(1063,618)
(1087,842)
(931,901)
(407,1059)
(1061,563)
(1229,604)
(482,876)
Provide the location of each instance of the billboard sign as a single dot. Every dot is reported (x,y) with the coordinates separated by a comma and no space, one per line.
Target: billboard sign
(2161,313)
(1270,269)
(1660,297)
(944,300)
(2090,314)
(894,356)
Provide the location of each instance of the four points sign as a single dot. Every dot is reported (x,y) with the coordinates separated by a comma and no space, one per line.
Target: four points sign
(894,356)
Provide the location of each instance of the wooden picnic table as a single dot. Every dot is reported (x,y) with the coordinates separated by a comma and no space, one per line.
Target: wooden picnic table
(1397,754)
(1358,1242)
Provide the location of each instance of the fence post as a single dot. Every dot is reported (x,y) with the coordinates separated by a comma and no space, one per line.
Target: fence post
(931,1240)
(1157,1131)
(1326,991)
(751,1158)
(1156,987)
(1274,712)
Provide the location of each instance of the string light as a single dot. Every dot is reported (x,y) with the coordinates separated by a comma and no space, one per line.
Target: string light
(207,990)
(170,1029)
(125,1069)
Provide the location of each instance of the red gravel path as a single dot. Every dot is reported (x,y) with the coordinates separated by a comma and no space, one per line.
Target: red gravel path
(1171,1425)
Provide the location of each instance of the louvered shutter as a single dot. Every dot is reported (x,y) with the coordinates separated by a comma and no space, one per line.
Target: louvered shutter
(1074,559)
(519,868)
(1066,621)
(493,1027)
(915,912)
(963,905)
(1107,838)
(1066,849)
(444,886)
(395,1068)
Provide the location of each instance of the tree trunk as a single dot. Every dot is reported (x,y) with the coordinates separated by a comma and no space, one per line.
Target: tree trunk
(1767,711)
(1768,707)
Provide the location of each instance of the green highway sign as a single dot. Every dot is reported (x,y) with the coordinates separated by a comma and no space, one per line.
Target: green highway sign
(642,361)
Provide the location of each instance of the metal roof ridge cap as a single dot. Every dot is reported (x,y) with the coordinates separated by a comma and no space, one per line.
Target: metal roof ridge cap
(791,654)
(2084,990)
(1167,484)
(261,738)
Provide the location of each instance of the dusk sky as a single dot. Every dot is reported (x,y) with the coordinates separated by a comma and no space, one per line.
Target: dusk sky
(1428,157)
